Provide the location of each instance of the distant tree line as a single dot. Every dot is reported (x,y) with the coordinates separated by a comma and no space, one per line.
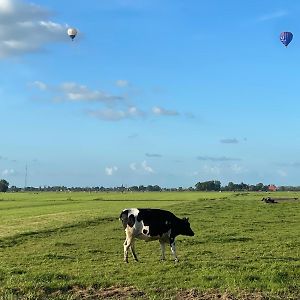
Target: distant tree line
(140,188)
(289,188)
(246,187)
(212,185)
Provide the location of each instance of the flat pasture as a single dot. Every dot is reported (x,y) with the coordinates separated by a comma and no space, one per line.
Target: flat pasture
(70,246)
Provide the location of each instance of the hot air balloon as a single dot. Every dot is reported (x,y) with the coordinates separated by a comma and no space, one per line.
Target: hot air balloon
(286,37)
(72,32)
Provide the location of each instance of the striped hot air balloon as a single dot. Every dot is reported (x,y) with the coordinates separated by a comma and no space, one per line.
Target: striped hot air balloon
(286,37)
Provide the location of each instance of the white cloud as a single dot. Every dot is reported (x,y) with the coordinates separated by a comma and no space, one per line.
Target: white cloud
(111,170)
(164,112)
(117,106)
(40,85)
(141,168)
(8,172)
(116,115)
(273,15)
(221,169)
(133,167)
(76,92)
(122,83)
(6,6)
(146,167)
(215,170)
(25,27)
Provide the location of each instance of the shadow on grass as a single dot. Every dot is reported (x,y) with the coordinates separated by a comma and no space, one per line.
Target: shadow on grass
(23,237)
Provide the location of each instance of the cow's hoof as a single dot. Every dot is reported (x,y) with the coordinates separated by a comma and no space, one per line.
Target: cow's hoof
(176,260)
(126,261)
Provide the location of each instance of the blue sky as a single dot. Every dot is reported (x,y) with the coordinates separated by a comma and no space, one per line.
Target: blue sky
(150,92)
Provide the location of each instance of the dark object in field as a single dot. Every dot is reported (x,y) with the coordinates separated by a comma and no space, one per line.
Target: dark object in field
(269,200)
(276,200)
(152,224)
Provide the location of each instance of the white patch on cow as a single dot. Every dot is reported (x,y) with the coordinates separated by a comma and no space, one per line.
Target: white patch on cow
(145,230)
(132,211)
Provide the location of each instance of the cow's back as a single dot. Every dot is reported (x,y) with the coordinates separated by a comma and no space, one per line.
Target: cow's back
(150,215)
(157,221)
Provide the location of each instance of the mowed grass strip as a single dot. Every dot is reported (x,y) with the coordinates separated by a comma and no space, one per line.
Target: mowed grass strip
(28,212)
(242,246)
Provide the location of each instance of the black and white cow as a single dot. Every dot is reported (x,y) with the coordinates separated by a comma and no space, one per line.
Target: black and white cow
(152,224)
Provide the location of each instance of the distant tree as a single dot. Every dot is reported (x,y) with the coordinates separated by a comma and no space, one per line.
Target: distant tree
(3,185)
(244,186)
(156,188)
(142,188)
(259,187)
(212,185)
(14,189)
(134,188)
(231,186)
(149,188)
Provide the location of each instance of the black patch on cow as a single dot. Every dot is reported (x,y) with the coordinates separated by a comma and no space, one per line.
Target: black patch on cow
(161,221)
(131,220)
(145,231)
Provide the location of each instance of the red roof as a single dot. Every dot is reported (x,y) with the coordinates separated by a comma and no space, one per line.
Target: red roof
(272,187)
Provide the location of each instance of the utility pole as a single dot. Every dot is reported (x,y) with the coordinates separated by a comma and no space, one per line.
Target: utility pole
(25,178)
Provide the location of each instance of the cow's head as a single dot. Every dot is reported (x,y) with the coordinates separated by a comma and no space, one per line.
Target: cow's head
(186,227)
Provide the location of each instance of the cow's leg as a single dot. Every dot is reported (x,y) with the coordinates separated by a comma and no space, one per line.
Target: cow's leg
(163,248)
(127,245)
(132,247)
(173,248)
(126,250)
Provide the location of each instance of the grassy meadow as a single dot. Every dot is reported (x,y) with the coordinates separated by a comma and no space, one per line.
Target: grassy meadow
(70,246)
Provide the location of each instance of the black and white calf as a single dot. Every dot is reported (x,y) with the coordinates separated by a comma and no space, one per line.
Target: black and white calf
(152,224)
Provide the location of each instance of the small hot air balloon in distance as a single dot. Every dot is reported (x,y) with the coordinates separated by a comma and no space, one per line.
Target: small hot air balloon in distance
(72,32)
(286,37)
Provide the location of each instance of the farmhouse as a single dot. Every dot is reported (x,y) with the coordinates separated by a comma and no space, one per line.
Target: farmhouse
(272,188)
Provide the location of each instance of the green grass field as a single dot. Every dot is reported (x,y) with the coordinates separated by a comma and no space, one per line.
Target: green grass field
(70,246)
